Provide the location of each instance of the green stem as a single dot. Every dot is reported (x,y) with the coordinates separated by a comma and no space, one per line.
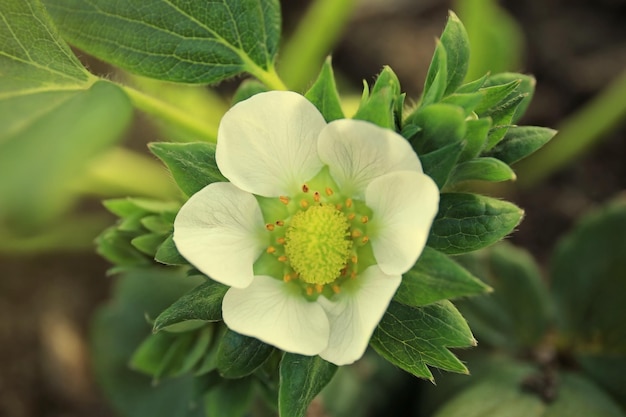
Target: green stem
(579,132)
(170,114)
(108,176)
(313,39)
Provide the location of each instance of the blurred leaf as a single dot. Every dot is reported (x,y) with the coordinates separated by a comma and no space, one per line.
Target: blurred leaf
(232,398)
(589,282)
(482,169)
(192,165)
(439,164)
(455,41)
(239,355)
(608,372)
(468,222)
(203,302)
(436,277)
(414,338)
(441,125)
(519,142)
(323,94)
(191,42)
(301,379)
(119,327)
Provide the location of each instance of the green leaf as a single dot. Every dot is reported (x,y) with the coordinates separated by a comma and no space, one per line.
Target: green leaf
(192,165)
(436,277)
(182,41)
(519,142)
(526,89)
(46,151)
(456,43)
(494,94)
(323,94)
(114,245)
(588,282)
(118,329)
(204,302)
(149,243)
(239,355)
(501,117)
(439,164)
(168,254)
(482,169)
(475,137)
(607,371)
(380,106)
(414,338)
(517,315)
(441,125)
(231,398)
(436,78)
(301,379)
(578,396)
(467,101)
(468,222)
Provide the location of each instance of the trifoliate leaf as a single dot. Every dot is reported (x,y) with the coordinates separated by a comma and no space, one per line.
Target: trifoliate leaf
(182,41)
(468,222)
(414,338)
(301,379)
(323,94)
(239,355)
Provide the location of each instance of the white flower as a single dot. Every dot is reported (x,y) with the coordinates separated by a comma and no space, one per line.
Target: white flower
(315,228)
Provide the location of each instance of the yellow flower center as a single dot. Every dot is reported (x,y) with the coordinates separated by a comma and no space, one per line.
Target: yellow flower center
(317,243)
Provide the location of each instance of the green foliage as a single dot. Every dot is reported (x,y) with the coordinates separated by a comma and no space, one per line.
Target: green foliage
(436,277)
(301,379)
(482,169)
(239,355)
(468,222)
(192,165)
(414,338)
(191,42)
(323,94)
(521,141)
(383,105)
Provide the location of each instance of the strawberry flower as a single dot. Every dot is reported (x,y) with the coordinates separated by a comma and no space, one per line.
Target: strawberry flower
(315,228)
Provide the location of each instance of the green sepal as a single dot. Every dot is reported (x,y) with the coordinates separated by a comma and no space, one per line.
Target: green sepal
(436,78)
(517,315)
(189,42)
(495,94)
(526,88)
(477,131)
(323,94)
(115,246)
(519,142)
(192,165)
(466,101)
(380,105)
(441,125)
(481,169)
(472,86)
(157,224)
(501,117)
(247,89)
(230,398)
(168,254)
(164,355)
(414,338)
(301,379)
(436,277)
(203,302)
(456,43)
(468,222)
(439,163)
(149,243)
(239,355)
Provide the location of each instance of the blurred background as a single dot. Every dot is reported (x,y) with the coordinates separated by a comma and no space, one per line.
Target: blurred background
(576,49)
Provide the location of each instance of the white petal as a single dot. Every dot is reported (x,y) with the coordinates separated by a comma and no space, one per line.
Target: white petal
(355,312)
(267,145)
(404,205)
(277,313)
(220,230)
(357,152)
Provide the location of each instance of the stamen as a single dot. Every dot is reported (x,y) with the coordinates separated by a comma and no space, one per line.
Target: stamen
(283,199)
(338,207)
(305,188)
(354,259)
(353,275)
(280,223)
(351,216)
(287,277)
(304,204)
(269,227)
(309,291)
(365,239)
(270,249)
(329,191)
(356,233)
(316,197)
(282,258)
(336,289)
(281,240)
(319,288)
(364,219)
(348,202)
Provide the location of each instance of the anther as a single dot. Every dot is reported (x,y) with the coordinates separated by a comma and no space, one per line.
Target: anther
(348,202)
(269,227)
(329,191)
(365,239)
(316,197)
(287,277)
(281,240)
(351,216)
(338,207)
(304,204)
(353,275)
(336,289)
(309,291)
(354,259)
(283,199)
(319,288)
(305,188)
(356,233)
(270,249)
(280,223)
(364,219)
(282,258)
